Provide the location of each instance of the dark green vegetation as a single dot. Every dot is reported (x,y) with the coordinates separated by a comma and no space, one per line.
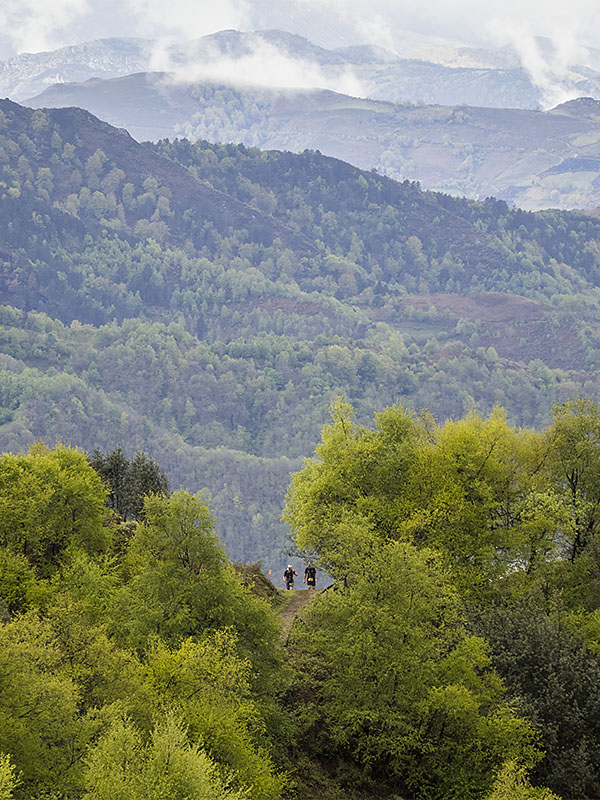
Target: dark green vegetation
(535,159)
(205,304)
(456,656)
(129,481)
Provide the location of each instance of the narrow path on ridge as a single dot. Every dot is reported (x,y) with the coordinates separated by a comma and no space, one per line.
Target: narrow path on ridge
(298,599)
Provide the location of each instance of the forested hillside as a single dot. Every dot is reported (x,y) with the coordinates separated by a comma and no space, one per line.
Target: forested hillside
(206,303)
(535,159)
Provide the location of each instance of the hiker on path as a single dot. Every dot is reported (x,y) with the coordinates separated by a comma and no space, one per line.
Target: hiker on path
(288,577)
(310,576)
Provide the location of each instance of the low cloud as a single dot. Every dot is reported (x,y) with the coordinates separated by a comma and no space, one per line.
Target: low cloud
(398,25)
(33,25)
(548,62)
(567,27)
(188,19)
(265,65)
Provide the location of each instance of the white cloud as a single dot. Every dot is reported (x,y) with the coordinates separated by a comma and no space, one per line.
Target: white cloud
(467,20)
(547,63)
(188,19)
(517,23)
(264,65)
(401,25)
(34,25)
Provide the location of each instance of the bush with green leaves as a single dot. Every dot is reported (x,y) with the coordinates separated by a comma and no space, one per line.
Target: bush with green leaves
(398,688)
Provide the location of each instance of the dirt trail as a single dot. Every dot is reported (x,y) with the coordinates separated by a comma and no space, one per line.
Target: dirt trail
(297,601)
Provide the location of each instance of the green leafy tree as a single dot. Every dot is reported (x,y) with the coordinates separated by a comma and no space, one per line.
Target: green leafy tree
(9,779)
(50,501)
(17,579)
(398,687)
(512,783)
(574,460)
(181,584)
(40,724)
(122,765)
(471,489)
(554,680)
(210,686)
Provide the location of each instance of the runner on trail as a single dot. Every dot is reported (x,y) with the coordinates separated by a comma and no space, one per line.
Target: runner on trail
(310,576)
(288,577)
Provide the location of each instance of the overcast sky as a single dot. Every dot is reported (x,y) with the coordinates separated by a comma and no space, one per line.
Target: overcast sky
(33,25)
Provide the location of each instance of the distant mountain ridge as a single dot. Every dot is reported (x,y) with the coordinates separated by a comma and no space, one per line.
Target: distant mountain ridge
(533,159)
(28,73)
(428,74)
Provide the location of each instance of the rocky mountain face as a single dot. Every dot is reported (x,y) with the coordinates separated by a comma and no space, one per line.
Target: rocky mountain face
(29,73)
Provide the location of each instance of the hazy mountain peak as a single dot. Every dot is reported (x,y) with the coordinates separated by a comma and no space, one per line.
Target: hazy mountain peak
(582,107)
(366,53)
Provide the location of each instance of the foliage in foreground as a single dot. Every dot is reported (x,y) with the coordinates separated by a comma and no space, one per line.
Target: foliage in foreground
(138,667)
(464,617)
(455,657)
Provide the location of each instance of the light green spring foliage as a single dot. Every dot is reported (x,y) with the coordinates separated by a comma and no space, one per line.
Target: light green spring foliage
(210,687)
(400,686)
(17,579)
(50,501)
(123,766)
(475,490)
(574,450)
(100,644)
(180,584)
(512,783)
(412,519)
(40,723)
(8,778)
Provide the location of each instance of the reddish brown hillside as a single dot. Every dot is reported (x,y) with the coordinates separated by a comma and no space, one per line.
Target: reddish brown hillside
(518,328)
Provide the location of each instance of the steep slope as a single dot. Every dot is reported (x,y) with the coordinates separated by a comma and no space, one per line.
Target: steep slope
(176,186)
(534,159)
(206,303)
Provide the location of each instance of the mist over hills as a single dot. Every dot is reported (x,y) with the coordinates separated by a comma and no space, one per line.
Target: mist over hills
(206,303)
(530,158)
(419,71)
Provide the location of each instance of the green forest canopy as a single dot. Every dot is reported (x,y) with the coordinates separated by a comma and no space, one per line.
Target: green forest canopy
(456,655)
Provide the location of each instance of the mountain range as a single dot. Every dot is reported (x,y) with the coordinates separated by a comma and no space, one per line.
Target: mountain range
(419,71)
(206,303)
(531,158)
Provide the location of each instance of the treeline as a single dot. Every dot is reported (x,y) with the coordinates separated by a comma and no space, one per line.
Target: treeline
(393,233)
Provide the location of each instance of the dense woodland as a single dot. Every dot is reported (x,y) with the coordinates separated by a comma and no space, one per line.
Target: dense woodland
(205,304)
(455,655)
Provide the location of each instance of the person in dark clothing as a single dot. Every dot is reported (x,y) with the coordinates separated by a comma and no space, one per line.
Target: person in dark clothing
(288,577)
(310,576)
